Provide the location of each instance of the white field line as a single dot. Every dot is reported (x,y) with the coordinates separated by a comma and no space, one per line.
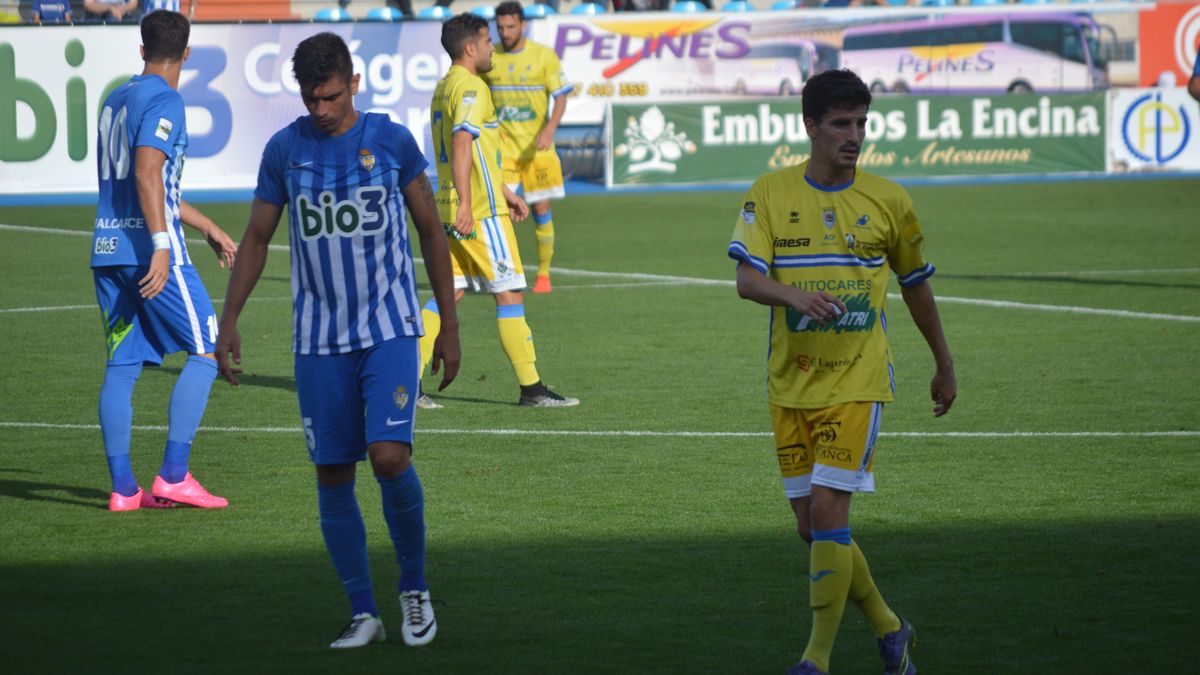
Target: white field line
(649,434)
(700,281)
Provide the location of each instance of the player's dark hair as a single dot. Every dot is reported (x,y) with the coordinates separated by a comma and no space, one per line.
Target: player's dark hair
(840,89)
(165,35)
(319,58)
(510,8)
(460,30)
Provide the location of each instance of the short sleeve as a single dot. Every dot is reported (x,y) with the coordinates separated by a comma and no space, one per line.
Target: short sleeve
(906,255)
(408,155)
(470,102)
(162,122)
(751,242)
(556,79)
(272,186)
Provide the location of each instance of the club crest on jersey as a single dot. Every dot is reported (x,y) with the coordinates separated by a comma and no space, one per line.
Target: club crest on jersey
(748,213)
(828,217)
(850,241)
(366,159)
(400,397)
(163,131)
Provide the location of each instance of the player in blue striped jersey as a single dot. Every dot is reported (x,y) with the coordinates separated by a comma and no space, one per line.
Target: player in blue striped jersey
(151,299)
(346,178)
(169,5)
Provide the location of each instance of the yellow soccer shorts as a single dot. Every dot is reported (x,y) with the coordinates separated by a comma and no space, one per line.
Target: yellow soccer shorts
(489,262)
(541,176)
(832,447)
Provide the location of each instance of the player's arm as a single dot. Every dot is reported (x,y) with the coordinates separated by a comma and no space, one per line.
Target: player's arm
(152,195)
(1193,86)
(418,195)
(923,307)
(221,243)
(758,287)
(545,138)
(517,207)
(460,167)
(251,259)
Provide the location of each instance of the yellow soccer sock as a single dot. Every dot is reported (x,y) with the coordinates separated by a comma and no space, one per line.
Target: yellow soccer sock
(545,241)
(866,595)
(517,341)
(830,571)
(433,325)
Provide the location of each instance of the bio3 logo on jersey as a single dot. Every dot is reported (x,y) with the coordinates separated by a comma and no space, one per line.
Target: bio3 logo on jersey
(365,214)
(859,317)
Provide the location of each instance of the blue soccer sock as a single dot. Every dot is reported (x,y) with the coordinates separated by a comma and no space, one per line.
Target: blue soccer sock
(346,539)
(404,511)
(116,424)
(188,401)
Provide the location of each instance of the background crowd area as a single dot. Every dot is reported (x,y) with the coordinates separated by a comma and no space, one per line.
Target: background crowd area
(130,11)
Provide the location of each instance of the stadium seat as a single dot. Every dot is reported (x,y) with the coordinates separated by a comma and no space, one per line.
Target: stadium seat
(783,4)
(538,11)
(384,14)
(688,6)
(484,11)
(332,14)
(737,6)
(937,3)
(896,3)
(987,2)
(1034,2)
(588,8)
(434,13)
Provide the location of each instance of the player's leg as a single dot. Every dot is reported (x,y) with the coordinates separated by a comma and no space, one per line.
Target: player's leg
(331,410)
(830,571)
(126,349)
(543,181)
(181,319)
(389,374)
(431,318)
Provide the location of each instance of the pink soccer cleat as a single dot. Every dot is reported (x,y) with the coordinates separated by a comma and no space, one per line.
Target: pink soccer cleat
(187,491)
(138,500)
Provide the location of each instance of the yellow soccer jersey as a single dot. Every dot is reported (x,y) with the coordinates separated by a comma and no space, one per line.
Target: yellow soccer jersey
(523,83)
(461,102)
(840,240)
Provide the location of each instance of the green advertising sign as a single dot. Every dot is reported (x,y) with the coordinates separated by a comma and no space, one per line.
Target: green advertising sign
(907,136)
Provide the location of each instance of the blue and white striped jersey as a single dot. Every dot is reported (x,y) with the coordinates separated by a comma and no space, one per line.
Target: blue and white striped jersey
(145,111)
(352,268)
(151,5)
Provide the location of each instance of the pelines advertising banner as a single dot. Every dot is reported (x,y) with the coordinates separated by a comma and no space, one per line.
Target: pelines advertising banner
(907,136)
(237,86)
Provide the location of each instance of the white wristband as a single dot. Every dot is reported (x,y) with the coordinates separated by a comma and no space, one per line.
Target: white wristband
(162,241)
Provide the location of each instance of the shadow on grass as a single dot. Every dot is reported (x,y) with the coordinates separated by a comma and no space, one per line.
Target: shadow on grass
(1052,597)
(39,491)
(246,379)
(1064,279)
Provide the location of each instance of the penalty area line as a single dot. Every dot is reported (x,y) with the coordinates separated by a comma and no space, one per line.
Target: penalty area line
(645,434)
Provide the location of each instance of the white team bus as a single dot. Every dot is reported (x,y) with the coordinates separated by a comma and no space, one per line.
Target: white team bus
(778,67)
(979,53)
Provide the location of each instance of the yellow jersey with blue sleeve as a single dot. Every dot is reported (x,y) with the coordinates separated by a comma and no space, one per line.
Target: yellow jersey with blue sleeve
(841,240)
(461,102)
(523,83)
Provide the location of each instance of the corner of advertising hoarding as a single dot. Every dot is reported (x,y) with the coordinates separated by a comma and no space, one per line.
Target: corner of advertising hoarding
(608,146)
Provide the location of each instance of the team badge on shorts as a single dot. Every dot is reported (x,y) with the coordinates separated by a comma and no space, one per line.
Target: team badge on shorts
(366,159)
(400,397)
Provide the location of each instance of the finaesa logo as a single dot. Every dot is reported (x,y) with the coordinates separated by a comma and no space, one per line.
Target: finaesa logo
(625,43)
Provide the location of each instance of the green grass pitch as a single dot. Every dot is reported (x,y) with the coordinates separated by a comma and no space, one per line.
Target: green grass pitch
(645,530)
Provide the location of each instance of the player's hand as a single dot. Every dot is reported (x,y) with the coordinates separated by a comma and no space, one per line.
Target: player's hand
(223,246)
(545,139)
(229,343)
(943,390)
(156,279)
(446,355)
(464,221)
(820,306)
(517,208)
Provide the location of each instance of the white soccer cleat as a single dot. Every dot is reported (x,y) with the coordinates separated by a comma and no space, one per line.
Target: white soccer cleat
(426,403)
(419,625)
(362,630)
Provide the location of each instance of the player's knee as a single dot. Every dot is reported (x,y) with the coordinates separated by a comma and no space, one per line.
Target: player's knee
(389,459)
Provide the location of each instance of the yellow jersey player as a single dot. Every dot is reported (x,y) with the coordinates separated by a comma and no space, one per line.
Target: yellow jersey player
(474,205)
(525,77)
(815,243)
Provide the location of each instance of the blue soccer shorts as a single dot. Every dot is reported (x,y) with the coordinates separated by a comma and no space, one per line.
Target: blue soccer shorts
(349,401)
(137,330)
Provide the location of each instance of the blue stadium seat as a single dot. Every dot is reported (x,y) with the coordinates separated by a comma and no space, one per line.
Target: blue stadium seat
(434,13)
(937,3)
(783,4)
(384,14)
(484,11)
(332,15)
(688,6)
(897,2)
(588,8)
(1034,2)
(737,6)
(987,2)
(538,11)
